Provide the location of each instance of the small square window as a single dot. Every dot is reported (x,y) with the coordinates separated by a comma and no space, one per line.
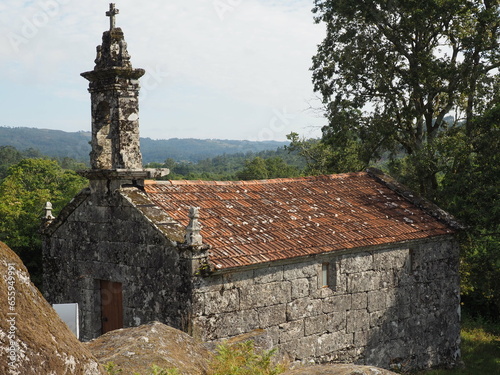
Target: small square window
(325,274)
(411,261)
(327,277)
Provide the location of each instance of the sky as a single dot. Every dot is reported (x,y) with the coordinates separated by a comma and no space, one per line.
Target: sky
(215,69)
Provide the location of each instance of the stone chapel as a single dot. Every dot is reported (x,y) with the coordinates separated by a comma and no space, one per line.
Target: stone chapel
(348,268)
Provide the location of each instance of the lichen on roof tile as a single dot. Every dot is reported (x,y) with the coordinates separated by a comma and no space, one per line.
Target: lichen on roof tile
(249,222)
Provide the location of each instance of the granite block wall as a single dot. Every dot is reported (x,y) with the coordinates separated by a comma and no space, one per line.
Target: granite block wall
(394,307)
(107,238)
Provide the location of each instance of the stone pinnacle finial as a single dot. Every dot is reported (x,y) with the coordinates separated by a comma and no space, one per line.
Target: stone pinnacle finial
(48,212)
(111,14)
(193,236)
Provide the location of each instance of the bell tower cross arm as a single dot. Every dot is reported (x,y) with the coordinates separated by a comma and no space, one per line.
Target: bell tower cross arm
(111,14)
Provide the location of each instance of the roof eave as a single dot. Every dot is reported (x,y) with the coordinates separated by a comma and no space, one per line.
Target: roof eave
(300,259)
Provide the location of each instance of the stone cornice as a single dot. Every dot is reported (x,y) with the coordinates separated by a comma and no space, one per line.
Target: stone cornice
(112,72)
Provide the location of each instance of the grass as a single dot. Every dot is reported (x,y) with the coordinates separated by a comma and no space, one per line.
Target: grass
(480,349)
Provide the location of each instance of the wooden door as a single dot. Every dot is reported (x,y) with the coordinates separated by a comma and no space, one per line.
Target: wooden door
(111,306)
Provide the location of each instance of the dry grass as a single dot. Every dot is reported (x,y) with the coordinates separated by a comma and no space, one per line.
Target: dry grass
(480,350)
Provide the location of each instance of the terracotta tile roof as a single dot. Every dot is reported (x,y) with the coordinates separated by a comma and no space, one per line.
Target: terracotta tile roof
(249,222)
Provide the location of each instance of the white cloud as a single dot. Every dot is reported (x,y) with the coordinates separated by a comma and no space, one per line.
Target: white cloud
(205,65)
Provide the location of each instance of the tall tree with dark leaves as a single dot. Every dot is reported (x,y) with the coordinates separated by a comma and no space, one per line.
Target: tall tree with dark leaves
(392,72)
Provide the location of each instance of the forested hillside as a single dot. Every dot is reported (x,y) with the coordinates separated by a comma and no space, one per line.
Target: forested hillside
(60,144)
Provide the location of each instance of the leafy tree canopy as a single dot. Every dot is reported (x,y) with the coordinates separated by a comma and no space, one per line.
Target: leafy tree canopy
(322,158)
(470,189)
(260,169)
(275,163)
(390,71)
(23,193)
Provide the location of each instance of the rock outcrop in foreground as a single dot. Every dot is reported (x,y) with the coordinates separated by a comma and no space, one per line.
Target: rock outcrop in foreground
(33,339)
(134,350)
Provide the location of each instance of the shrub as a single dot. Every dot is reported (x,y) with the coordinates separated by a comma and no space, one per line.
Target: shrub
(244,359)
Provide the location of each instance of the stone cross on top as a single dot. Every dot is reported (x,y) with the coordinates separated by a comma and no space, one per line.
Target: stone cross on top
(111,14)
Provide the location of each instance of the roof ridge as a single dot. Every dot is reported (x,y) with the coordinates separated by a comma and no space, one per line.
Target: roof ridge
(254,182)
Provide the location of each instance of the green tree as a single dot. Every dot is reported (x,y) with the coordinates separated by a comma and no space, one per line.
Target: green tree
(278,168)
(8,155)
(470,189)
(322,157)
(70,163)
(255,169)
(23,193)
(260,169)
(169,163)
(389,73)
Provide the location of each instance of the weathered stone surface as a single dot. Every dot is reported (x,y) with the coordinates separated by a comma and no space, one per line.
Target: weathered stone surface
(136,349)
(238,323)
(315,324)
(297,270)
(332,342)
(381,301)
(42,342)
(363,281)
(119,250)
(114,89)
(260,338)
(359,301)
(377,300)
(302,308)
(267,275)
(300,288)
(340,369)
(264,294)
(271,315)
(226,300)
(290,331)
(358,320)
(337,303)
(356,263)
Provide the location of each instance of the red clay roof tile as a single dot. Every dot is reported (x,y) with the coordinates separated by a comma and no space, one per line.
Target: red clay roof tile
(251,222)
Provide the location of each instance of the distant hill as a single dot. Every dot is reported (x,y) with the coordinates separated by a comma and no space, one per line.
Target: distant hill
(57,143)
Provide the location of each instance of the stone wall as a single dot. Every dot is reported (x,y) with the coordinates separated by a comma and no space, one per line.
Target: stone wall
(105,237)
(394,307)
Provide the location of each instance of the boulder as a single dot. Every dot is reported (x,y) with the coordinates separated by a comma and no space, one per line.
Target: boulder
(137,349)
(339,369)
(33,339)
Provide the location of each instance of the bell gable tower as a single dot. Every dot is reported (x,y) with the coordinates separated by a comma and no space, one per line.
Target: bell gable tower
(114,90)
